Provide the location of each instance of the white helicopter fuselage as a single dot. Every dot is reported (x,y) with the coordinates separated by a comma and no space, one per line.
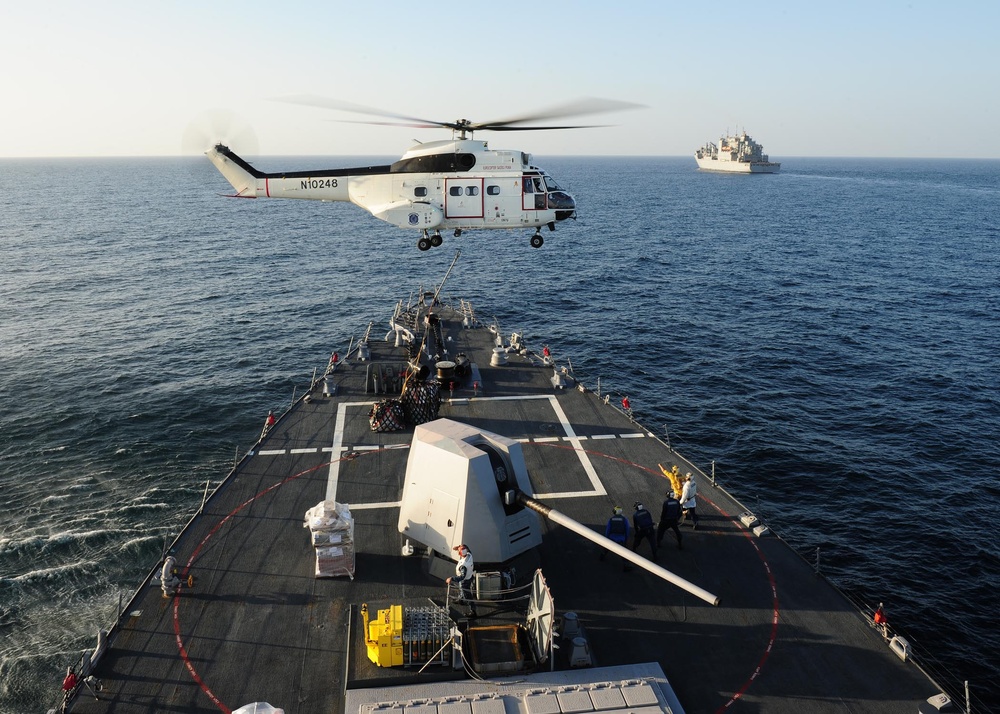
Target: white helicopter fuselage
(455,185)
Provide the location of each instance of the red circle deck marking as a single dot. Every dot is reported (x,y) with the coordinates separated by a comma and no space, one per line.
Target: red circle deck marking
(194,555)
(746,534)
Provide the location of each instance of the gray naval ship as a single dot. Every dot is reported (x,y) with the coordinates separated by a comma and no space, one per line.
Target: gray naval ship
(315,578)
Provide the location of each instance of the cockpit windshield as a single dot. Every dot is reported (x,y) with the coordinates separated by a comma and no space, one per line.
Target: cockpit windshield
(550,184)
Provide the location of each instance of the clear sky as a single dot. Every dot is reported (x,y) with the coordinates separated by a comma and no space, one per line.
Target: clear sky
(845,78)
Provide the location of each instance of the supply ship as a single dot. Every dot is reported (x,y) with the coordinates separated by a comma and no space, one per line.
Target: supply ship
(315,578)
(736,154)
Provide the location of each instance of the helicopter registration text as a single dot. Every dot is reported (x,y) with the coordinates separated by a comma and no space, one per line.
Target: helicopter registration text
(319,183)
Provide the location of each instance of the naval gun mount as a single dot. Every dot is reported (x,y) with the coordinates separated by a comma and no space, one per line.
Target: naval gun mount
(469,486)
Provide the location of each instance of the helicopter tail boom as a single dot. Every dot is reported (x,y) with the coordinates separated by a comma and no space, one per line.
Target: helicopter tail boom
(238,172)
(327,185)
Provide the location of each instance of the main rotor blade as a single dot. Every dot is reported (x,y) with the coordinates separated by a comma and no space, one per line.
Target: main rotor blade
(313,100)
(501,127)
(579,107)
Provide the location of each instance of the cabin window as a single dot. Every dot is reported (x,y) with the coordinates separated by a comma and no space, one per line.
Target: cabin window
(528,186)
(472,190)
(455,190)
(420,191)
(493,190)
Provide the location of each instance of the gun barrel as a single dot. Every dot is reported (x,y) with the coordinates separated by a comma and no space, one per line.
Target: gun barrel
(580,529)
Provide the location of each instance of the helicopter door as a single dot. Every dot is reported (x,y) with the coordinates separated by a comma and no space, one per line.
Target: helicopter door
(463,198)
(532,193)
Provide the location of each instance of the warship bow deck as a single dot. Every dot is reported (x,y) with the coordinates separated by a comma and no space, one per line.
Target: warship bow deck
(259,626)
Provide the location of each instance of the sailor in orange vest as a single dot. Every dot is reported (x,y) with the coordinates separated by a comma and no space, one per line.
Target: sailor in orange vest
(268,423)
(881,622)
(69,684)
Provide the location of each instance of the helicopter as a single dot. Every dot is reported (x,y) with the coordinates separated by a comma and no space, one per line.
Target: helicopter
(457,185)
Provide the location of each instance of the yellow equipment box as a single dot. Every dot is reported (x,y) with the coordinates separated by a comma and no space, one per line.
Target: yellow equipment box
(384,636)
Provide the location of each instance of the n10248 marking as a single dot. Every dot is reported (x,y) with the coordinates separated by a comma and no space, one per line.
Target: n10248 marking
(319,183)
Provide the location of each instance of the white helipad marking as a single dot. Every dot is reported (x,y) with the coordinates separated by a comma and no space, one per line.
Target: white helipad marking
(588,467)
(604,436)
(303,451)
(633,436)
(338,448)
(338,444)
(270,452)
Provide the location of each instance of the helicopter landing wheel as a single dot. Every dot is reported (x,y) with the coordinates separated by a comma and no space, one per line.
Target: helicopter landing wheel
(458,232)
(537,240)
(436,240)
(424,243)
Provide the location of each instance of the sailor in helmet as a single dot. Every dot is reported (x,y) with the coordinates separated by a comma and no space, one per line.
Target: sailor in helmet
(689,500)
(464,573)
(617,530)
(642,519)
(169,582)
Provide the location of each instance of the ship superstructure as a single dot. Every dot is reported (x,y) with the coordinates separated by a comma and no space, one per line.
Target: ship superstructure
(736,154)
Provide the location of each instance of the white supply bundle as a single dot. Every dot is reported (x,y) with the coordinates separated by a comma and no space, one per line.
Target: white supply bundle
(332,532)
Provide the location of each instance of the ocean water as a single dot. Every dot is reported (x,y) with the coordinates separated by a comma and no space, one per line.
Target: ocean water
(829,337)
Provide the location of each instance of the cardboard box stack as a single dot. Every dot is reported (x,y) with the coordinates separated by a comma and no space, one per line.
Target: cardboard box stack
(332,531)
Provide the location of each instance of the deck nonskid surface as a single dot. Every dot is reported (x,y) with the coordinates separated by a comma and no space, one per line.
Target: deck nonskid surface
(258,626)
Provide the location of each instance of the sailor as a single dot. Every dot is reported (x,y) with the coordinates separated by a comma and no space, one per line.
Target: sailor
(642,519)
(688,500)
(268,423)
(464,573)
(617,530)
(674,475)
(670,514)
(169,582)
(881,622)
(69,685)
(71,680)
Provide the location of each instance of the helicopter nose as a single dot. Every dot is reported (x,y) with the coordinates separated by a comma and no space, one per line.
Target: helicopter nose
(561,201)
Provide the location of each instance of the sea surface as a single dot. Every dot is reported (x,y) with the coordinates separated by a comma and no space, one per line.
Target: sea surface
(829,337)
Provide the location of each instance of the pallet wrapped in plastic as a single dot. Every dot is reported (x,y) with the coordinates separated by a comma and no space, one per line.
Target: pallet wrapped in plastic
(330,517)
(334,561)
(331,529)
